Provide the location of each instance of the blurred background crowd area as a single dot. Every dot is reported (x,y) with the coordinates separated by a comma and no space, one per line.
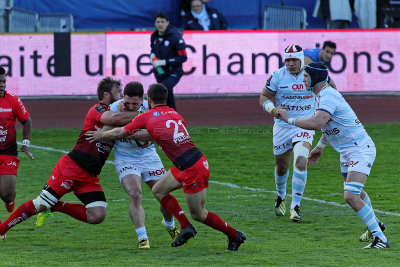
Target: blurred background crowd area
(138,15)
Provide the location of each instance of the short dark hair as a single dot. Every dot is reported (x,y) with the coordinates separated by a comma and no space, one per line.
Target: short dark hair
(2,71)
(329,44)
(134,89)
(158,93)
(106,85)
(161,16)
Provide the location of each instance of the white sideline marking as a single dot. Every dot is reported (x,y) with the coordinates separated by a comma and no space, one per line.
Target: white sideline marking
(238,187)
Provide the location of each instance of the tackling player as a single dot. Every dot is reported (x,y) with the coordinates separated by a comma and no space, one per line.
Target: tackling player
(190,171)
(78,170)
(342,129)
(134,163)
(11,109)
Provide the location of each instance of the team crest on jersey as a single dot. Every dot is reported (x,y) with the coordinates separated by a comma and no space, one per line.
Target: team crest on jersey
(156,114)
(100,109)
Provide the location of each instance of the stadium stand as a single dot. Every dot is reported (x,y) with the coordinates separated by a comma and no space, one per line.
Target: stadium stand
(284,17)
(56,23)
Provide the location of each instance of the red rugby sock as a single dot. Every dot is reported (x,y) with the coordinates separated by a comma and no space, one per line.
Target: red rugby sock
(214,221)
(77,211)
(172,205)
(22,213)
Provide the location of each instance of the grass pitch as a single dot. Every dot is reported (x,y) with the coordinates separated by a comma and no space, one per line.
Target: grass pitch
(241,191)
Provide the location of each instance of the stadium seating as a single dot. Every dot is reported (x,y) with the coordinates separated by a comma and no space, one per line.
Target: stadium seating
(284,17)
(55,23)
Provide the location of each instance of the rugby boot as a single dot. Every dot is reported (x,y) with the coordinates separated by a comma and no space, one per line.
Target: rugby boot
(174,232)
(234,243)
(367,236)
(280,208)
(185,234)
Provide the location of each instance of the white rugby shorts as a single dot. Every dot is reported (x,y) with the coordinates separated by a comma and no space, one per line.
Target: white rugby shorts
(358,158)
(148,169)
(284,137)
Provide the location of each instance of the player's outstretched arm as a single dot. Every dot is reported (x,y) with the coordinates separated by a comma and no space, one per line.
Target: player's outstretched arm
(118,119)
(141,134)
(99,134)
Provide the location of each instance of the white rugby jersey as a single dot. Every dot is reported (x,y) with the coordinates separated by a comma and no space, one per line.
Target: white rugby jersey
(291,93)
(126,149)
(343,128)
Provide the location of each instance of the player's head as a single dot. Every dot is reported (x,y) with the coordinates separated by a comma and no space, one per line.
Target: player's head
(109,90)
(161,22)
(327,51)
(314,74)
(294,58)
(157,93)
(133,96)
(3,80)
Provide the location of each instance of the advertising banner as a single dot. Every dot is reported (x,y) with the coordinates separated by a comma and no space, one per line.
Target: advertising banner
(231,62)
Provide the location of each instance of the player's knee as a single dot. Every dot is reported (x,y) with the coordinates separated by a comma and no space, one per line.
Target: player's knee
(135,195)
(95,215)
(300,155)
(7,197)
(352,191)
(157,192)
(281,170)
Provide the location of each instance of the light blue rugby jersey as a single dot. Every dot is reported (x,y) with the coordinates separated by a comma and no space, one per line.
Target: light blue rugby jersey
(291,93)
(344,128)
(126,149)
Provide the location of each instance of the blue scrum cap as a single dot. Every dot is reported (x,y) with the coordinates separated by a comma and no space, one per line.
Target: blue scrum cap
(318,73)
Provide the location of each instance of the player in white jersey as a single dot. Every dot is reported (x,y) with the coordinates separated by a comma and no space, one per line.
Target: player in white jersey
(287,87)
(342,129)
(134,163)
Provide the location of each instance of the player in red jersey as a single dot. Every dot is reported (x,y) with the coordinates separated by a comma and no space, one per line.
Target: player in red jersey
(11,109)
(78,170)
(190,170)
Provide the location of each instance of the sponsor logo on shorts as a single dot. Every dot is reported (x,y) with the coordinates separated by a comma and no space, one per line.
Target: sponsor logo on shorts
(5,109)
(281,146)
(303,134)
(353,163)
(205,163)
(344,164)
(369,165)
(12,163)
(67,184)
(157,172)
(120,171)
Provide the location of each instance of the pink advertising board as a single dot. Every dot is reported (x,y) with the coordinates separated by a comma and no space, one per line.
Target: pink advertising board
(232,62)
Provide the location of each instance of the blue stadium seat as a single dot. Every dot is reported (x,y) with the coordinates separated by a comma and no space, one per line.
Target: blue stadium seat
(56,23)
(21,20)
(284,17)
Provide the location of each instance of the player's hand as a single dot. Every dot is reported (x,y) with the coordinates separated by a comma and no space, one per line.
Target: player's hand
(314,156)
(281,113)
(25,149)
(147,143)
(93,136)
(159,63)
(121,106)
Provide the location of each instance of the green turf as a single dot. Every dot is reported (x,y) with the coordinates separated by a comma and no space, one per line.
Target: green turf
(241,192)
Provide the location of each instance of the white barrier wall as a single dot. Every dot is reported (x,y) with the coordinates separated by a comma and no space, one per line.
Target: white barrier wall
(219,62)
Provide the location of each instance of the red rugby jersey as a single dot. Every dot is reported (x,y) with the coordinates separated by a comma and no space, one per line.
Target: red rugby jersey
(11,109)
(92,156)
(168,130)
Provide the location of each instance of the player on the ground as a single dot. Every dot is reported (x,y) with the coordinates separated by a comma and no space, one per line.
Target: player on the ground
(78,170)
(135,163)
(343,130)
(12,109)
(190,170)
